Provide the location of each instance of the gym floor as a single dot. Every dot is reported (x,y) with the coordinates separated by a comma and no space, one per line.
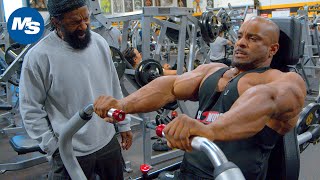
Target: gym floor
(309,159)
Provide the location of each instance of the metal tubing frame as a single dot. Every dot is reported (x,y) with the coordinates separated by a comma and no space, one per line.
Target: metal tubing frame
(2,19)
(146,18)
(66,149)
(306,35)
(14,65)
(213,152)
(23,164)
(304,137)
(148,158)
(5,40)
(316,35)
(216,157)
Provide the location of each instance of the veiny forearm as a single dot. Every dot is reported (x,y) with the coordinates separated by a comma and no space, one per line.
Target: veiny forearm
(151,97)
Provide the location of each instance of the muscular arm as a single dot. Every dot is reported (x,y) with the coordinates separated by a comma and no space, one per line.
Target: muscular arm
(167,72)
(280,100)
(166,89)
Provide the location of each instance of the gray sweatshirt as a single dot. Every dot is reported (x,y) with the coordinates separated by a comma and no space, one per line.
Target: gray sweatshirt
(57,81)
(218,49)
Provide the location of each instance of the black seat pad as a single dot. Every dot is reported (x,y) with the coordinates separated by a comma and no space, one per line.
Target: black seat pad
(5,107)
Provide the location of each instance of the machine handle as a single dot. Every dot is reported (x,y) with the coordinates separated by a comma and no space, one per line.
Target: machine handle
(117,114)
(71,127)
(224,169)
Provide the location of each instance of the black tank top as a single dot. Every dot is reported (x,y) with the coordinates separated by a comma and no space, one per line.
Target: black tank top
(251,154)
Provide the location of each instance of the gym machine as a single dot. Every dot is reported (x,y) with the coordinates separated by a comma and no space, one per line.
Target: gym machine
(22,144)
(215,20)
(227,170)
(146,17)
(4,36)
(4,39)
(308,61)
(10,76)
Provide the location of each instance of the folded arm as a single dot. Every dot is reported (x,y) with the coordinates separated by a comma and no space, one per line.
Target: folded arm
(280,100)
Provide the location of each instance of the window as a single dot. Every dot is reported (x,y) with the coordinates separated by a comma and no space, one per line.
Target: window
(10,6)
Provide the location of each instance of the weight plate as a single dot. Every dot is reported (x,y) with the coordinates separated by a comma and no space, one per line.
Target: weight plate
(118,61)
(203,28)
(147,71)
(308,116)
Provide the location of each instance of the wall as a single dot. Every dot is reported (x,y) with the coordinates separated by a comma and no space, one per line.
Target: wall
(272,4)
(269,7)
(10,6)
(224,3)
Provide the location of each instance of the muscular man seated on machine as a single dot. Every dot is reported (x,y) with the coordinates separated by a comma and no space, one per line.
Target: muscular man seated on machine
(244,109)
(133,56)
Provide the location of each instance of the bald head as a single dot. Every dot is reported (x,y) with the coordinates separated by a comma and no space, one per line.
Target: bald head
(267,26)
(257,43)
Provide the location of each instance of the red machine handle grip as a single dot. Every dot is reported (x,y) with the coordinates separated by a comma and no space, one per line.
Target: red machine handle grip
(159,130)
(117,114)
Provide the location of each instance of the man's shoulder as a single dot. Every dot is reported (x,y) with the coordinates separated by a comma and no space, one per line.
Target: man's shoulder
(41,49)
(45,44)
(291,77)
(210,68)
(96,35)
(98,38)
(277,75)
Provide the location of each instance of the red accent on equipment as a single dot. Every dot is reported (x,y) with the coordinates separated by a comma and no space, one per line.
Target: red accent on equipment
(119,115)
(174,114)
(159,129)
(144,168)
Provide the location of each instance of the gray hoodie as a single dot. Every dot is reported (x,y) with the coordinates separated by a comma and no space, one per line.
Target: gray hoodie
(57,81)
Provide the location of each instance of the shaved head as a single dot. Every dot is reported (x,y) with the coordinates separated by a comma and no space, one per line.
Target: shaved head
(257,43)
(268,26)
